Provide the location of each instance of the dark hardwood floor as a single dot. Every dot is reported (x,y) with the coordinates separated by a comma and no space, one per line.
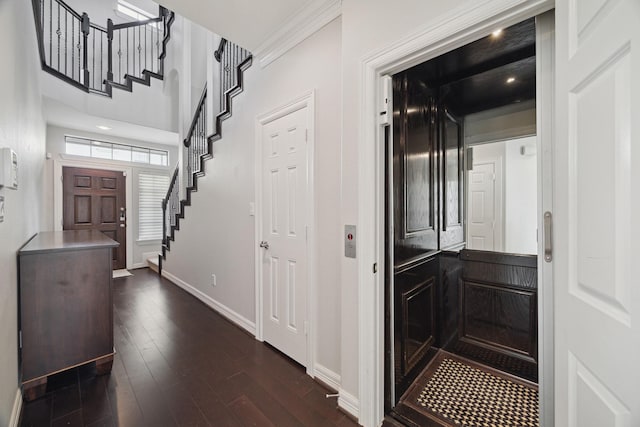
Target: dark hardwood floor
(179,363)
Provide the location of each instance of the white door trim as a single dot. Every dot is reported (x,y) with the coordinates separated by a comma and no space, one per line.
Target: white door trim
(470,21)
(306,100)
(58,164)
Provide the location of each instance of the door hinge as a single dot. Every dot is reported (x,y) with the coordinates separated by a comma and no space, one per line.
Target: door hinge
(375,267)
(19,339)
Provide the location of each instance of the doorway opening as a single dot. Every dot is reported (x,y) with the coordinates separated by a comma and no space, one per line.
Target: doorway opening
(461,216)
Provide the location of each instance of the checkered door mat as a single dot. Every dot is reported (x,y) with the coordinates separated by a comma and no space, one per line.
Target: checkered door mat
(470,397)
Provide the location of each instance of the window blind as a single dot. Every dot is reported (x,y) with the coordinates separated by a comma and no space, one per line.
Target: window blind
(151,190)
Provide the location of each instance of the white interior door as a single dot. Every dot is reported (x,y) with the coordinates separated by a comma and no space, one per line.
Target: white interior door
(482,212)
(284,233)
(597,204)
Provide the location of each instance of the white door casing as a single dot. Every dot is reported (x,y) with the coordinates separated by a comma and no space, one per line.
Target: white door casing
(284,215)
(482,209)
(596,199)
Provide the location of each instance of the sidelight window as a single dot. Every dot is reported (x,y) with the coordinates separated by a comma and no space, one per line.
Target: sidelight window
(152,189)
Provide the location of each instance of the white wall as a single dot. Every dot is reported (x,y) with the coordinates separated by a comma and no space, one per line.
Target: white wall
(217,234)
(21,128)
(56,146)
(521,196)
(368,26)
(508,122)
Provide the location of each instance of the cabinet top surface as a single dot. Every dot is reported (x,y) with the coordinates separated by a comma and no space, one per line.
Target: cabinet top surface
(53,241)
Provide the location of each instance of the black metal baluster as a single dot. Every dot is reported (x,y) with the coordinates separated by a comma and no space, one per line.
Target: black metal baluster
(50,31)
(66,14)
(59,34)
(93,61)
(119,56)
(101,60)
(42,18)
(73,48)
(139,52)
(127,54)
(152,57)
(145,47)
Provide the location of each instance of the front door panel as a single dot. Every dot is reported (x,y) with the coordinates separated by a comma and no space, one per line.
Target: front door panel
(95,199)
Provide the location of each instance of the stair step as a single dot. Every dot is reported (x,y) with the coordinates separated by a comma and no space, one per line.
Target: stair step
(152,262)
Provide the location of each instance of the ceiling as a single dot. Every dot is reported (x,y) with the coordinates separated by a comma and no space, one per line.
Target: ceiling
(59,114)
(491,72)
(247,22)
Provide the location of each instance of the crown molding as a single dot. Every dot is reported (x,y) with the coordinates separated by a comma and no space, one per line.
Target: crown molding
(298,27)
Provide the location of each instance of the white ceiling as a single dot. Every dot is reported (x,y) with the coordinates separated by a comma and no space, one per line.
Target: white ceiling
(62,115)
(246,22)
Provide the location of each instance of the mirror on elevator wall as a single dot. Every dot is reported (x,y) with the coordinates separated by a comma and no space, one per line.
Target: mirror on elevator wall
(502,196)
(501,179)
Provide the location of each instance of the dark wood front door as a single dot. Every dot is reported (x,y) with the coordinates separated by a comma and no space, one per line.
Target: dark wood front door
(95,200)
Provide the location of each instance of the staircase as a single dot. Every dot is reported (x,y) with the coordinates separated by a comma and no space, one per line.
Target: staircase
(97,59)
(197,146)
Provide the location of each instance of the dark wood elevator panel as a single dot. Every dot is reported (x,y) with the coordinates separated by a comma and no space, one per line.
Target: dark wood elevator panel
(414,296)
(498,312)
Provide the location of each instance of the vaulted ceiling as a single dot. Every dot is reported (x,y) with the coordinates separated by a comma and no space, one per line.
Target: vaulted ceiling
(246,22)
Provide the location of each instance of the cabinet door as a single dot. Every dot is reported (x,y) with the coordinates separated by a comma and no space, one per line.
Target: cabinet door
(451,180)
(414,137)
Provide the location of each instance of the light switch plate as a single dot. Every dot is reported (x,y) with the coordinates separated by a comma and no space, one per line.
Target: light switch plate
(1,208)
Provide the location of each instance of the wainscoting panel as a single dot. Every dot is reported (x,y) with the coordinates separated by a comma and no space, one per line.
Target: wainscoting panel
(498,312)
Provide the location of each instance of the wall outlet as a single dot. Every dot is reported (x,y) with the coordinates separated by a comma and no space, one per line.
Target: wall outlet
(213,280)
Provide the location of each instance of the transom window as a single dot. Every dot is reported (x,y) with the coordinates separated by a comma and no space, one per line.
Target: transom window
(113,151)
(133,11)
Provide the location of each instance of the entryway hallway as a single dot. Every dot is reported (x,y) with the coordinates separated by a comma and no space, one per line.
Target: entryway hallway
(178,363)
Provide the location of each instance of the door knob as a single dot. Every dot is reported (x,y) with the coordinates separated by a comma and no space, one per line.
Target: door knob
(121,225)
(264,244)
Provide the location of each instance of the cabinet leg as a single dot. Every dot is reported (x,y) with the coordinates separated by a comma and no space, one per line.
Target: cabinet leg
(31,390)
(104,365)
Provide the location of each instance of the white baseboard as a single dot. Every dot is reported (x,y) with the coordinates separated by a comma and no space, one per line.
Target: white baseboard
(138,265)
(222,309)
(17,409)
(327,376)
(349,403)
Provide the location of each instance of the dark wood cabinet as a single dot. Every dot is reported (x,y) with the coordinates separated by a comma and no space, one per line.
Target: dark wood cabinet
(66,310)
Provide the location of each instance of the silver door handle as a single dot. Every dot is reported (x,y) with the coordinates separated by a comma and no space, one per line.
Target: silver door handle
(548,237)
(264,244)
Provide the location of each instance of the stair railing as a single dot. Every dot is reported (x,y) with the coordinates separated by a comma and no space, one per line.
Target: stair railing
(137,49)
(197,146)
(81,53)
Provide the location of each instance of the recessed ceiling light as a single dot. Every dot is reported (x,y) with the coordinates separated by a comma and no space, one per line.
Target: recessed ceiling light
(103,127)
(511,80)
(497,32)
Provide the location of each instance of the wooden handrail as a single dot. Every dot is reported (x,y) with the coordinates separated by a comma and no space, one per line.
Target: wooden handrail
(196,116)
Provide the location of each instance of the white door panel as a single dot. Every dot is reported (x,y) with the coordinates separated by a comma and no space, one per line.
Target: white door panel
(596,240)
(284,190)
(482,214)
